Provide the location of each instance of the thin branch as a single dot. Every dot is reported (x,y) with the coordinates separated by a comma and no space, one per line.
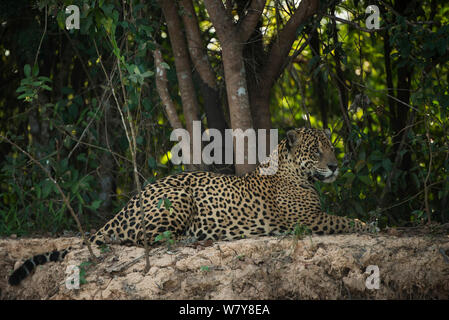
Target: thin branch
(294,74)
(297,52)
(396,163)
(388,95)
(108,150)
(415,23)
(182,63)
(84,132)
(410,198)
(426,181)
(249,22)
(133,148)
(109,80)
(132,145)
(402,102)
(351,23)
(162,89)
(195,44)
(64,197)
(282,43)
(42,38)
(222,21)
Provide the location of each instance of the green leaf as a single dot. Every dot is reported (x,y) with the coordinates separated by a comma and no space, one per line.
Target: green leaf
(96,204)
(376,156)
(73,111)
(165,65)
(45,79)
(24,95)
(313,61)
(147,29)
(376,166)
(60,18)
(152,163)
(67,90)
(64,164)
(159,237)
(167,234)
(358,208)
(35,70)
(415,180)
(348,175)
(146,104)
(26,81)
(27,70)
(147,74)
(81,157)
(365,179)
(38,191)
(167,203)
(386,163)
(159,203)
(47,188)
(444,100)
(359,165)
(362,155)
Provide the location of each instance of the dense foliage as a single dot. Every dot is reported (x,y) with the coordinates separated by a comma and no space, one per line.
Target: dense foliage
(73,99)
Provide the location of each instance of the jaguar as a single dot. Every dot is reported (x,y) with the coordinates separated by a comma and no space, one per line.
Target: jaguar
(213,206)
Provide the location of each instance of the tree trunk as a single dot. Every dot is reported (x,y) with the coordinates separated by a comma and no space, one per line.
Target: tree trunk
(235,76)
(207,77)
(275,63)
(182,63)
(238,99)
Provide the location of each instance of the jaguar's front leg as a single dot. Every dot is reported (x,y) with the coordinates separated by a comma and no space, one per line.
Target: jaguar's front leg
(323,223)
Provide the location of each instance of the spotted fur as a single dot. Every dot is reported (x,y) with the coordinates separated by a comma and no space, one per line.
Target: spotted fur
(28,266)
(206,205)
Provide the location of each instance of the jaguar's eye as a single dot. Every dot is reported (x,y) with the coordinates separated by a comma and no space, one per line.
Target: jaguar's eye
(319,151)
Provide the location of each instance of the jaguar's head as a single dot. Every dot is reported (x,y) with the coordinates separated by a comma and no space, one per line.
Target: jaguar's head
(311,154)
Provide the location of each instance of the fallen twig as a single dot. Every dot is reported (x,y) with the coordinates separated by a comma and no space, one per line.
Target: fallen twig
(123,265)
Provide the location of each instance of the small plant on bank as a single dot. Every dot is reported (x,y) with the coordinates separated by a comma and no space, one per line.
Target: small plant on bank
(205,268)
(83,268)
(301,231)
(166,237)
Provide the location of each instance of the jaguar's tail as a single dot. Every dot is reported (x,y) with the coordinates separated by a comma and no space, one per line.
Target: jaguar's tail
(28,266)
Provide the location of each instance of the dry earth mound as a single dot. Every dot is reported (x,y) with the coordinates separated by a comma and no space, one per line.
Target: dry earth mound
(316,267)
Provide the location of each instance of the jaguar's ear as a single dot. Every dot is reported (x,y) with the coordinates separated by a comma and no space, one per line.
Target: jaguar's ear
(328,133)
(292,138)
